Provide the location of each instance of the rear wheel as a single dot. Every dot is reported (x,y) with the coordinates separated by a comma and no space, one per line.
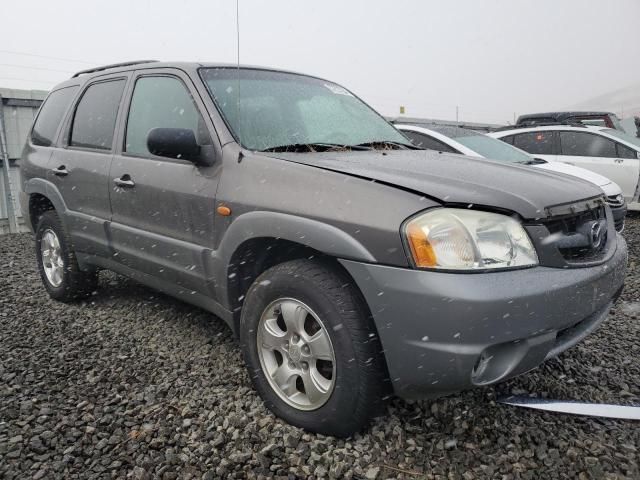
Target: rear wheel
(57,262)
(311,348)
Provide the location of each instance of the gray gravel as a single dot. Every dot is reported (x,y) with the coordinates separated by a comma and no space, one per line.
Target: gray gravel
(133,384)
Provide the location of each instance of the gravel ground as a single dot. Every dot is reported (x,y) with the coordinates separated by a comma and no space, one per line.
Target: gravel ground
(133,384)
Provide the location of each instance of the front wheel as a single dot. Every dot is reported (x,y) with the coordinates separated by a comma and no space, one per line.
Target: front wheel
(311,348)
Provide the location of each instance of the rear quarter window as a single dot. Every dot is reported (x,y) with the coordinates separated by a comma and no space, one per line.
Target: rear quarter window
(625,152)
(51,115)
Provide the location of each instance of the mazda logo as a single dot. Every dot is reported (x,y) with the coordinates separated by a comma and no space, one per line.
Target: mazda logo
(596,234)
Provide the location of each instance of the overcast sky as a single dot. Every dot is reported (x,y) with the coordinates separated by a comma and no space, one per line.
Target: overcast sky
(491,58)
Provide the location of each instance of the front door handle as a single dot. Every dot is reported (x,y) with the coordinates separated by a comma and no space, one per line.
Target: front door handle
(619,160)
(61,171)
(124,181)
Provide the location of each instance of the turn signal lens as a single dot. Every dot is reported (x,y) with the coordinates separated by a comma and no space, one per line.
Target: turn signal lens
(421,249)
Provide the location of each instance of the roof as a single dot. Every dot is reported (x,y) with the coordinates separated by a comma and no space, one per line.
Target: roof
(540,128)
(446,130)
(84,75)
(430,122)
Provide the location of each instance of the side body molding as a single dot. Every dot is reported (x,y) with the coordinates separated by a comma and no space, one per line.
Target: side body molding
(267,224)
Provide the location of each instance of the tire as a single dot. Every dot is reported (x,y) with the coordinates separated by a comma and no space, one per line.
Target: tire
(323,296)
(67,282)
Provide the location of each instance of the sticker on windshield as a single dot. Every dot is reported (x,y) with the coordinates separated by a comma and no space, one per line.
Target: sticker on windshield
(338,90)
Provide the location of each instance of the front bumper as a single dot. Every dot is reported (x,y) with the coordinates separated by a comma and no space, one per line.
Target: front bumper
(445,332)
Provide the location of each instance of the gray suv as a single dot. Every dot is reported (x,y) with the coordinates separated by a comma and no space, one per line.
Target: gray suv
(350,264)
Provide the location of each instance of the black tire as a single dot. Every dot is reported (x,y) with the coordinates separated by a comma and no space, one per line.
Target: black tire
(76,284)
(358,391)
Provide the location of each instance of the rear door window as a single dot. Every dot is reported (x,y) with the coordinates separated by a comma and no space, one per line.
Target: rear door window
(95,117)
(161,102)
(50,116)
(582,144)
(425,141)
(540,143)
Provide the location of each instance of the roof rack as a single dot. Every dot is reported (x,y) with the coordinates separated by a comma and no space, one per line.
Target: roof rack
(113,65)
(542,124)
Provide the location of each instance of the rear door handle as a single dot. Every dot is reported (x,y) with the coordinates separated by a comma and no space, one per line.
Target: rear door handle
(61,171)
(124,181)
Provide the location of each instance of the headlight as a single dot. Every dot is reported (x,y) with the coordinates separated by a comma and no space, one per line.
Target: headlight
(458,239)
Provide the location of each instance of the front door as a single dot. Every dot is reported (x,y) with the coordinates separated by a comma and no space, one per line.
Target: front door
(163,208)
(600,155)
(80,170)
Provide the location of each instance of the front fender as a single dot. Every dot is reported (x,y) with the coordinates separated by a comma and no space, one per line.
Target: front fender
(320,236)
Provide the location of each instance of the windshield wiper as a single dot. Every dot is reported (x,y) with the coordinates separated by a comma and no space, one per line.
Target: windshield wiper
(313,147)
(387,144)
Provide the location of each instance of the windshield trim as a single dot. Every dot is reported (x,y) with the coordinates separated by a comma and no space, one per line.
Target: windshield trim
(232,132)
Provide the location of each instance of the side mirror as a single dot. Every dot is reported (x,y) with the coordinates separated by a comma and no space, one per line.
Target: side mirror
(174,143)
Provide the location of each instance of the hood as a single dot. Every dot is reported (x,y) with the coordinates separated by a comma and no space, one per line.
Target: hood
(456,179)
(582,173)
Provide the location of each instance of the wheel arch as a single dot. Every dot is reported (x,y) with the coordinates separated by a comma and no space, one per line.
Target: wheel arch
(43,196)
(280,236)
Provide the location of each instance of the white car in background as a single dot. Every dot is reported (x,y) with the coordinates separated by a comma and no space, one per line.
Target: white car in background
(476,144)
(608,152)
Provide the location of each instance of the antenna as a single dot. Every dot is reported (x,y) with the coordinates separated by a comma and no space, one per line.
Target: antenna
(238,70)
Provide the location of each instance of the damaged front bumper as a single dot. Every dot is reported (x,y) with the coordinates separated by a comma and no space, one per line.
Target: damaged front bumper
(445,332)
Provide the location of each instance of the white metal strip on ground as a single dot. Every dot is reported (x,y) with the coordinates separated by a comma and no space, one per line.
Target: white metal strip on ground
(606,410)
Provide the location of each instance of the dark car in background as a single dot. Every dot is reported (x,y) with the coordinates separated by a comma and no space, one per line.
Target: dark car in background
(349,263)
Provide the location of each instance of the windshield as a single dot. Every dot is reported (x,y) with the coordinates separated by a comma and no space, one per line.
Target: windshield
(623,136)
(494,149)
(278,109)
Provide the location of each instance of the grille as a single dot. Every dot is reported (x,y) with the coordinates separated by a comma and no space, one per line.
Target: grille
(580,237)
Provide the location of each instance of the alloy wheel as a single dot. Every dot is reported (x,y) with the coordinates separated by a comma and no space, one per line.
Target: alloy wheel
(296,354)
(52,260)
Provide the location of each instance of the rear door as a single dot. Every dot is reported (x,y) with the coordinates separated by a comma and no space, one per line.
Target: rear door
(163,208)
(80,169)
(539,144)
(601,155)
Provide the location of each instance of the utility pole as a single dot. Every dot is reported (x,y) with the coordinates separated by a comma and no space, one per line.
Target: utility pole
(457,115)
(6,175)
